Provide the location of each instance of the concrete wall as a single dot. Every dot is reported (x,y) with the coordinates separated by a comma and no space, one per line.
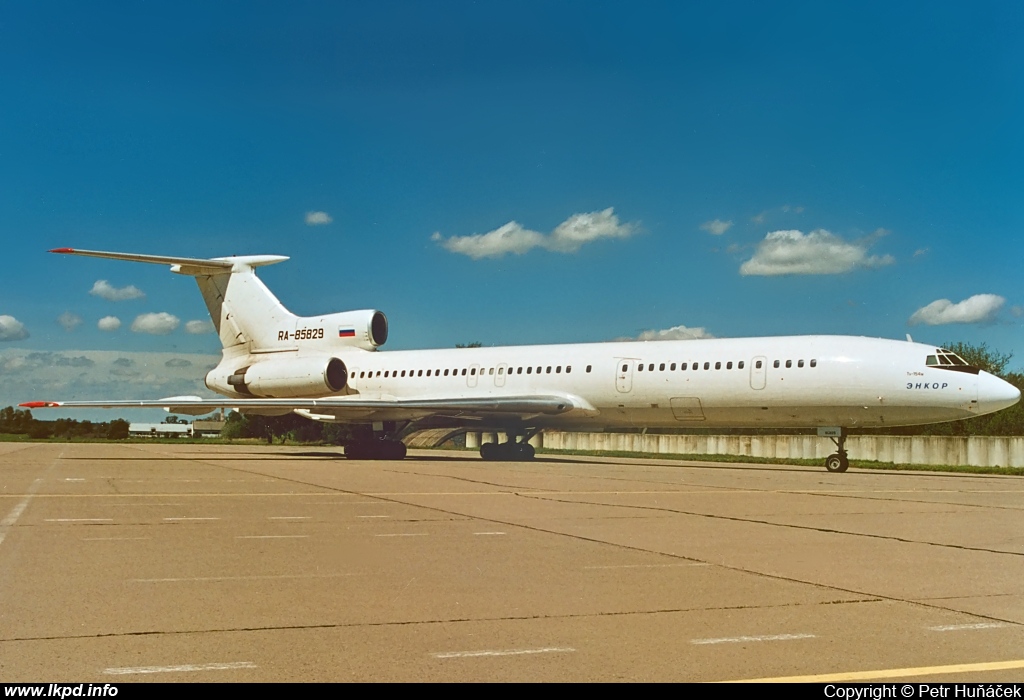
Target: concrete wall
(974,451)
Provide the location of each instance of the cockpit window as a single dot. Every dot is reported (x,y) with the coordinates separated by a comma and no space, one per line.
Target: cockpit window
(947,359)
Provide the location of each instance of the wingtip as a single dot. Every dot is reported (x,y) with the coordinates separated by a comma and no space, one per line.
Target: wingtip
(38,404)
(62,250)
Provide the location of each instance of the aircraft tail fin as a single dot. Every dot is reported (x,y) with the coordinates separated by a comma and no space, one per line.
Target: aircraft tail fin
(243,310)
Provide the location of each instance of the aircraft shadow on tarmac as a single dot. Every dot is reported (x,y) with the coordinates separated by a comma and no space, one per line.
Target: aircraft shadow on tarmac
(545,459)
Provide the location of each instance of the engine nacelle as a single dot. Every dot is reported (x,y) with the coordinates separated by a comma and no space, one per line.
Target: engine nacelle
(283,378)
(367,329)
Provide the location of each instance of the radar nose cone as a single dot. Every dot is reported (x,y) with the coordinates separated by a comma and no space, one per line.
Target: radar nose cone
(995,394)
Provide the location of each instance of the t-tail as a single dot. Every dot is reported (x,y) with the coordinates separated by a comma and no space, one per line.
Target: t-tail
(247,316)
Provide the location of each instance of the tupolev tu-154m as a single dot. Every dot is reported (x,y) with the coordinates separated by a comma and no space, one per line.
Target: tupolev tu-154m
(328,368)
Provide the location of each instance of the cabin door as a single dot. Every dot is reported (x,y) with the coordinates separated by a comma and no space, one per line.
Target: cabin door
(471,378)
(758,372)
(499,375)
(624,375)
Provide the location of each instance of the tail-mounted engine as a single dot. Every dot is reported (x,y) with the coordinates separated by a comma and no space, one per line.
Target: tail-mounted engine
(292,377)
(366,329)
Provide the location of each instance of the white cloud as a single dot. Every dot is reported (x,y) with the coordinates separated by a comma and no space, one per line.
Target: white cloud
(318,218)
(568,237)
(816,253)
(109,323)
(675,333)
(12,329)
(716,227)
(155,324)
(69,321)
(921,251)
(199,327)
(1017,311)
(510,238)
(977,309)
(105,290)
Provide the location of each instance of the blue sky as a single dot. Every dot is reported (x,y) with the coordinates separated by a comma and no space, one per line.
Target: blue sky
(770,169)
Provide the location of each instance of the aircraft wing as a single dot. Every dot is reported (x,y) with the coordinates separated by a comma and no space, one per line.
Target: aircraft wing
(356,408)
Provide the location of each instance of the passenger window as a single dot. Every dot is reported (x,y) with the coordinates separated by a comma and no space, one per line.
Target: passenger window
(707,365)
(463,372)
(682,366)
(529,370)
(758,365)
(501,370)
(490,371)
(639,367)
(362,375)
(728,365)
(650,367)
(549,369)
(519,370)
(539,369)
(624,368)
(472,371)
(661,367)
(789,363)
(672,367)
(776,364)
(568,369)
(420,373)
(718,365)
(378,373)
(740,365)
(695,366)
(446,373)
(558,369)
(403,372)
(799,363)
(589,367)
(814,363)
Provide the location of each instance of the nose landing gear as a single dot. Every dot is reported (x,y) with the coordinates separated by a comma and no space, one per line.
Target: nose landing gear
(838,462)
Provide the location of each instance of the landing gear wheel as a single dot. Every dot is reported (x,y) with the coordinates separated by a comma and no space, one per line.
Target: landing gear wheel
(506,451)
(837,463)
(376,449)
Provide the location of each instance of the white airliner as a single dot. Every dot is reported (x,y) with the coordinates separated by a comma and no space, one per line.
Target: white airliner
(327,368)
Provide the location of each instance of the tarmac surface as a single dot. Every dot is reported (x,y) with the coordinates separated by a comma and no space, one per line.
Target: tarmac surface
(247,563)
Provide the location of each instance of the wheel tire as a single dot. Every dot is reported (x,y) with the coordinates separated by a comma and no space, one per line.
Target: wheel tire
(835,463)
(845,465)
(526,451)
(355,450)
(488,451)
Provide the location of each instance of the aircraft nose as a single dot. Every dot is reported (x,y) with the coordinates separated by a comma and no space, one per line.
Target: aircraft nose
(995,394)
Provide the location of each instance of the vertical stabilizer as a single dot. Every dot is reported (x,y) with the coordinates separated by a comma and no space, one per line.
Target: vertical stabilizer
(243,310)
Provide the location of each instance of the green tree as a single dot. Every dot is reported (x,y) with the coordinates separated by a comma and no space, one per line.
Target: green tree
(474,344)
(118,429)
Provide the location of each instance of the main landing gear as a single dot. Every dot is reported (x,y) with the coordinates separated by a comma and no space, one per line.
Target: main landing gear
(515,449)
(376,442)
(838,462)
(375,449)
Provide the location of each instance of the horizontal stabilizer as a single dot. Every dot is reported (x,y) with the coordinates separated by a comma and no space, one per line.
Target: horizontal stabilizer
(186,266)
